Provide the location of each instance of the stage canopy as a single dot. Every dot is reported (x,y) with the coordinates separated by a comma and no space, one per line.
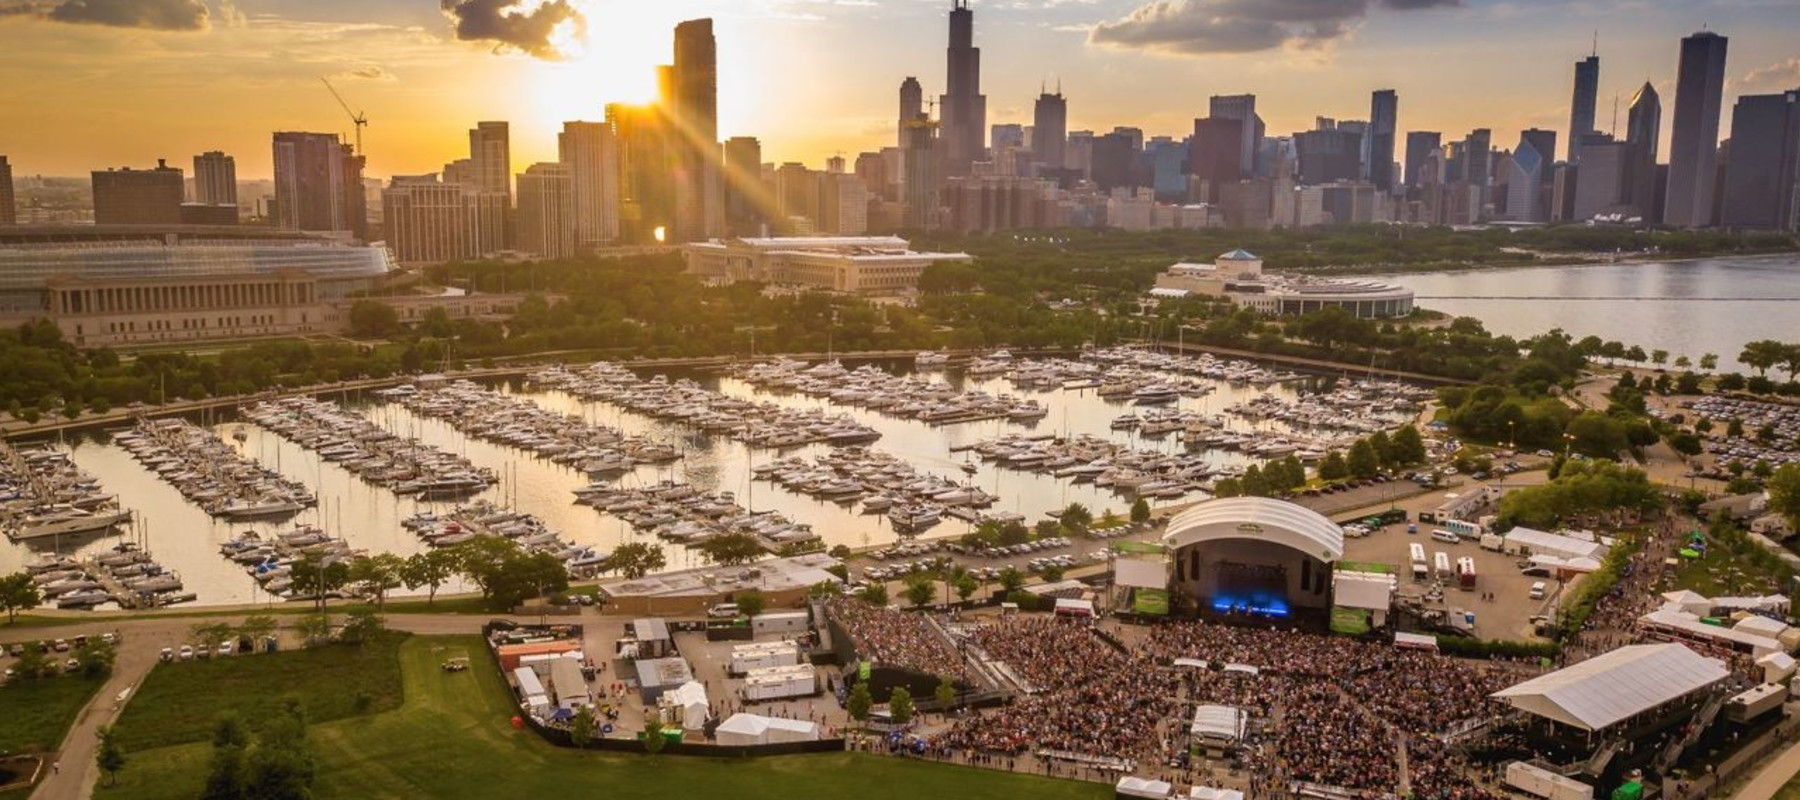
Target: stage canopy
(1608,688)
(1136,574)
(1260,518)
(1224,723)
(1371,591)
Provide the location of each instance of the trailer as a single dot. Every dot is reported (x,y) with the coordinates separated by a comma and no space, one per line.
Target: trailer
(1420,571)
(1493,542)
(776,683)
(1755,702)
(1465,573)
(1539,782)
(1464,528)
(763,655)
(1441,560)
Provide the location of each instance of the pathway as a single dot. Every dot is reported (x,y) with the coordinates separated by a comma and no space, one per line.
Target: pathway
(1774,774)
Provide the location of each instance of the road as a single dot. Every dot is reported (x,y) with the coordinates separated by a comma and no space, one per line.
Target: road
(1774,774)
(141,643)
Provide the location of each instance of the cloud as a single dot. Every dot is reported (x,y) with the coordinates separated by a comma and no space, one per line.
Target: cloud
(165,15)
(1778,76)
(368,72)
(535,28)
(1205,27)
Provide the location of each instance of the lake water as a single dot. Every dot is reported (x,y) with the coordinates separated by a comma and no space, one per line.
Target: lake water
(1685,307)
(185,539)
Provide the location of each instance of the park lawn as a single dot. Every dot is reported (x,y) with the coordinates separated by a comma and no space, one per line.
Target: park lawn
(453,739)
(180,701)
(1789,792)
(38,713)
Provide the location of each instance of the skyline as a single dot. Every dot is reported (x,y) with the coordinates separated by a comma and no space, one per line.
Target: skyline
(263,58)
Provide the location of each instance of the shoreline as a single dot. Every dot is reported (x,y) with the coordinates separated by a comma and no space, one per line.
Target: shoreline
(1392,272)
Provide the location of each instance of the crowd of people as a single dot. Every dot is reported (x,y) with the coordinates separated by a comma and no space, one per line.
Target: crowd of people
(895,638)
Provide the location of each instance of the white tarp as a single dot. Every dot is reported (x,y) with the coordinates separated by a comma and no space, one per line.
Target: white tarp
(1134,786)
(1136,574)
(1372,591)
(1220,723)
(1552,544)
(1605,689)
(1210,793)
(1776,667)
(742,729)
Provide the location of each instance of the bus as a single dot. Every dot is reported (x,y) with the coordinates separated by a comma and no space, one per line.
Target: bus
(1465,573)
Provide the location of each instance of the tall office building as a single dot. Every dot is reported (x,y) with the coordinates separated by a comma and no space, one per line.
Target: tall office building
(843,205)
(1581,109)
(1420,145)
(1378,144)
(962,108)
(912,104)
(699,205)
(1528,172)
(427,221)
(646,210)
(1544,142)
(490,157)
(1762,177)
(1215,153)
(139,196)
(921,168)
(1643,126)
(318,184)
(1599,177)
(9,214)
(1241,107)
(1694,143)
(215,179)
(545,221)
(1328,155)
(588,150)
(746,198)
(1477,157)
(1050,129)
(1007,135)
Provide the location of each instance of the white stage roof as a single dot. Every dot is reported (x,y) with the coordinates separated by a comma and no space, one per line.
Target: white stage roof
(1259,518)
(1218,722)
(1373,591)
(1605,689)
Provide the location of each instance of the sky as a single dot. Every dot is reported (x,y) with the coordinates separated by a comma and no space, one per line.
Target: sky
(88,84)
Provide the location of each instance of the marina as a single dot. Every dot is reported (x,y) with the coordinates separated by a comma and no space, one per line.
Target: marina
(587,457)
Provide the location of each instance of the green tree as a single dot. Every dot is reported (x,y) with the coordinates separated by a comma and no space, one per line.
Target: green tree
(1052,573)
(379,574)
(1384,448)
(751,603)
(636,559)
(875,594)
(1076,517)
(372,319)
(1409,446)
(1734,428)
(1784,494)
(1140,511)
(1333,467)
(900,706)
(429,570)
(1762,354)
(1011,578)
(825,589)
(654,741)
(1709,362)
(966,586)
(281,764)
(363,625)
(256,628)
(1659,357)
(96,658)
(945,693)
(313,629)
(731,549)
(109,757)
(18,593)
(919,590)
(1685,443)
(859,702)
(581,728)
(1363,462)
(227,773)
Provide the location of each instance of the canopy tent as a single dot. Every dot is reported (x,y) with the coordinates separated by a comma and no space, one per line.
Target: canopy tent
(749,729)
(690,700)
(1690,601)
(1603,690)
(1673,620)
(1134,786)
(1776,667)
(1218,723)
(1372,591)
(1536,542)
(1210,793)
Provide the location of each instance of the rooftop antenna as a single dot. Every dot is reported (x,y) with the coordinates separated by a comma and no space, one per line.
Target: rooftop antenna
(360,119)
(1596,52)
(1615,122)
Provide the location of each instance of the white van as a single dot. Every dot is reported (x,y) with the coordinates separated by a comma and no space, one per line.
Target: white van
(1537,590)
(723,611)
(1445,536)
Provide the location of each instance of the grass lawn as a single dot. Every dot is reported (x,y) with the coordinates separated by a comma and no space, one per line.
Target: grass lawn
(180,701)
(452,739)
(39,712)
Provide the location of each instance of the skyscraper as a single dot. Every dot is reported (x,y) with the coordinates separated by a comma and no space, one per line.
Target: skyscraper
(746,198)
(1529,173)
(1050,129)
(1694,143)
(1477,157)
(1420,145)
(426,221)
(695,116)
(490,156)
(9,214)
(1599,177)
(545,222)
(138,196)
(1378,145)
(215,179)
(1762,178)
(590,153)
(921,168)
(1581,109)
(1643,126)
(912,104)
(1215,153)
(646,209)
(318,184)
(1241,107)
(1007,135)
(963,108)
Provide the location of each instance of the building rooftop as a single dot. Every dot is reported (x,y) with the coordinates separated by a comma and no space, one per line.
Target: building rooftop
(773,575)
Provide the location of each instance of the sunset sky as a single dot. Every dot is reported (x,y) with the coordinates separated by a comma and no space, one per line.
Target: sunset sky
(89,84)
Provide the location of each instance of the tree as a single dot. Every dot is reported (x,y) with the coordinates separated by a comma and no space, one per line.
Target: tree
(1734,428)
(581,728)
(919,590)
(1011,579)
(430,570)
(1683,362)
(1409,446)
(859,702)
(1052,573)
(227,773)
(316,577)
(362,625)
(109,757)
(751,603)
(1685,443)
(731,549)
(654,741)
(314,629)
(966,586)
(281,764)
(1709,362)
(825,589)
(372,319)
(379,573)
(256,628)
(900,706)
(945,692)
(96,658)
(1659,357)
(875,594)
(18,593)
(636,559)
(1762,354)
(1363,462)
(1140,511)
(1076,517)
(1384,448)
(1333,467)
(1784,494)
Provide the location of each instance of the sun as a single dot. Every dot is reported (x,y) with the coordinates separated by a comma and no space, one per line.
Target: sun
(615,62)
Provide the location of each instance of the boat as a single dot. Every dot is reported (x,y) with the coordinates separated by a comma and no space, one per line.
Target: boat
(68,520)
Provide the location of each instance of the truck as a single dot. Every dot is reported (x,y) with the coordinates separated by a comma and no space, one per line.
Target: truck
(1441,560)
(1420,572)
(1492,541)
(1539,782)
(1465,573)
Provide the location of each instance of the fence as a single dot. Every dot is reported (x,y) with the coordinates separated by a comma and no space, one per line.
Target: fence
(1734,766)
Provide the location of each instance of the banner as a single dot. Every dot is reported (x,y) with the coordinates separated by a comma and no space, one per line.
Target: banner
(1152,602)
(863,669)
(1137,547)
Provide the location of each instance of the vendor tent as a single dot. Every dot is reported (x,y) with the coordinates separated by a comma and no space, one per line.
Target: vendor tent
(1606,689)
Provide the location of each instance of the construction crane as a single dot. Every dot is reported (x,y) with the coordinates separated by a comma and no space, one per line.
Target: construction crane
(360,119)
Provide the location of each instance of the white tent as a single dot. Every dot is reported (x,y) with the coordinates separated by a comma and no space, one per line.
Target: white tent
(1536,542)
(792,730)
(1371,591)
(1136,574)
(1223,724)
(1690,601)
(689,702)
(743,729)
(1776,667)
(1673,620)
(1608,688)
(1210,793)
(1134,786)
